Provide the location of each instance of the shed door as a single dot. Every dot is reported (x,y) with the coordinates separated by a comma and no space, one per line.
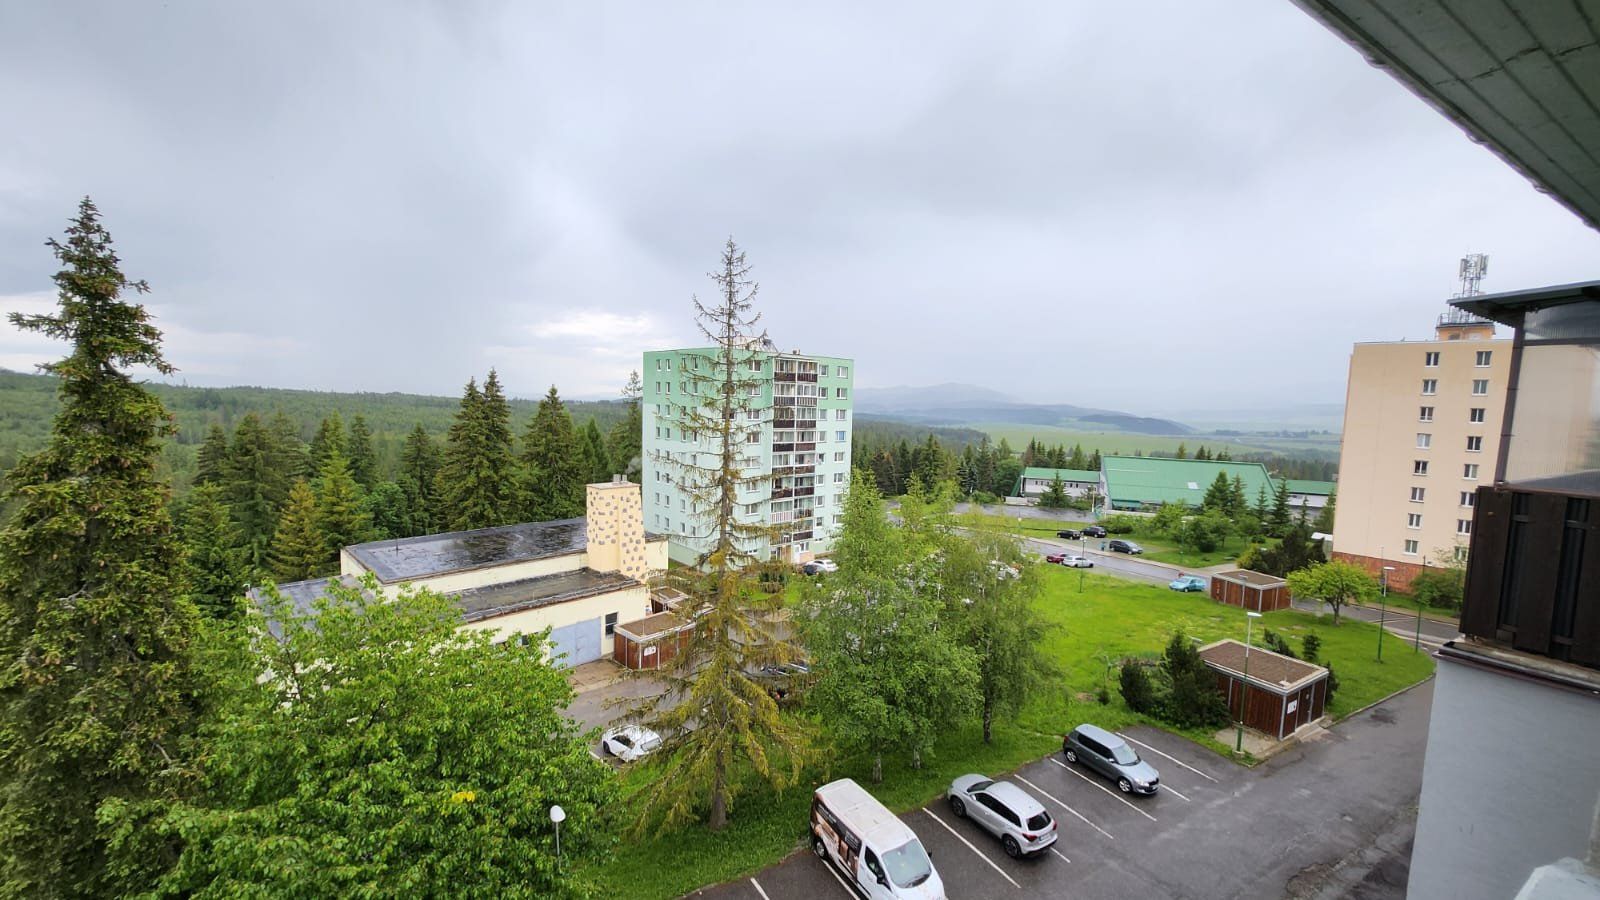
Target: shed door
(576,643)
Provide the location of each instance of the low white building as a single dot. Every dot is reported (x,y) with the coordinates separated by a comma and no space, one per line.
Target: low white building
(580,578)
(1034,481)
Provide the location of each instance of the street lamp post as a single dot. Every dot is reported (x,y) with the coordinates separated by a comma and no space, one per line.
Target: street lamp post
(1238,735)
(558,815)
(1416,646)
(1383,608)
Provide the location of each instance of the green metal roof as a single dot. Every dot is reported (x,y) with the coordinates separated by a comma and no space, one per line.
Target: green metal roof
(1151,480)
(1322,488)
(1063,474)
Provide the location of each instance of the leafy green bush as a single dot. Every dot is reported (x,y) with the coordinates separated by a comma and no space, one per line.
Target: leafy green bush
(1204,532)
(1137,691)
(1120,524)
(1274,641)
(984,497)
(1439,588)
(1312,646)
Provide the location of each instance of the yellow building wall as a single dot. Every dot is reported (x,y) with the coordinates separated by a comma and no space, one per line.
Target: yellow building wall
(1379,446)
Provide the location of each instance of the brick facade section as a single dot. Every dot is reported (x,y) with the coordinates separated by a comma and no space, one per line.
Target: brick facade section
(1399,579)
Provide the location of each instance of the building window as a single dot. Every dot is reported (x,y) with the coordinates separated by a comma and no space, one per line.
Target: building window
(1425,414)
(1475,444)
(753,437)
(611,624)
(1480,387)
(838,415)
(1483,359)
(824,370)
(1475,415)
(1469,499)
(838,478)
(1431,359)
(844,372)
(1430,386)
(1424,441)
(1414,520)
(1417,494)
(841,393)
(1470,470)
(755,365)
(1463,526)
(669,387)
(1419,467)
(838,435)
(1411,548)
(838,456)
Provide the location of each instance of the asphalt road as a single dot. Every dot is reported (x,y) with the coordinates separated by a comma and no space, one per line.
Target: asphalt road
(1328,818)
(1399,622)
(1120,564)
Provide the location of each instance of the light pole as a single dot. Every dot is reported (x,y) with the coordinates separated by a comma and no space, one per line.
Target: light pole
(1416,646)
(1383,608)
(558,815)
(1238,735)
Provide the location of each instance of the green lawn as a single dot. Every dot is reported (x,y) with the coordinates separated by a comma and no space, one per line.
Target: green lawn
(1107,620)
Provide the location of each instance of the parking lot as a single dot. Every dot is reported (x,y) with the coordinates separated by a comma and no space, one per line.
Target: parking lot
(1214,829)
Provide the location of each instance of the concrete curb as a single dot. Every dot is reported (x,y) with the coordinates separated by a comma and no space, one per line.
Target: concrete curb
(1356,712)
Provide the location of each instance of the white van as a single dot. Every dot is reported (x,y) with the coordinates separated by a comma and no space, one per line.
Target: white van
(879,855)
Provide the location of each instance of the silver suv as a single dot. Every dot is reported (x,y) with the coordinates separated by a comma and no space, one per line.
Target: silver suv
(1018,820)
(1111,756)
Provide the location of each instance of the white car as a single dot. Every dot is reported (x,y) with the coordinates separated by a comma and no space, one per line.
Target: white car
(820,567)
(629,742)
(1074,561)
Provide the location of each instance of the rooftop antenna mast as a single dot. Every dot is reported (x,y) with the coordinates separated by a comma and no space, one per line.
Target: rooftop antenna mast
(1471,271)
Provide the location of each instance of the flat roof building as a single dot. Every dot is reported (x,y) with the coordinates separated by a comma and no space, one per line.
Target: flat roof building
(1146,482)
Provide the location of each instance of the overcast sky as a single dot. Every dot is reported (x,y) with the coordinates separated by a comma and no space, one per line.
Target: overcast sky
(1143,206)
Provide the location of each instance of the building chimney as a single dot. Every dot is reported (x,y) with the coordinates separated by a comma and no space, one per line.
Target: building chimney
(615,511)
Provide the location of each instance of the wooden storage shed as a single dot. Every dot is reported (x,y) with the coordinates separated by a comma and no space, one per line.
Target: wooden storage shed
(651,642)
(1250,590)
(1280,695)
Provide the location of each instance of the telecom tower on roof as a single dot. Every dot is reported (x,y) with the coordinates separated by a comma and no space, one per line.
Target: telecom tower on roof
(1473,268)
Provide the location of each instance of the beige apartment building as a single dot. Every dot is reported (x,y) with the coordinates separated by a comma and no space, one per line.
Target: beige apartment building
(1422,427)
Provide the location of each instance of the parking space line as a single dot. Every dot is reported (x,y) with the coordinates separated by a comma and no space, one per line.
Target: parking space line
(1065,807)
(1058,853)
(760,890)
(1173,758)
(972,848)
(1168,789)
(1114,795)
(829,866)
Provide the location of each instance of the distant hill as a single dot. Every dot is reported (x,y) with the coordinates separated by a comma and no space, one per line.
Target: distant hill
(961,404)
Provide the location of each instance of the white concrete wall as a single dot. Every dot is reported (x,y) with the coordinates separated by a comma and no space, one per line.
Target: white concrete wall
(629,604)
(1511,782)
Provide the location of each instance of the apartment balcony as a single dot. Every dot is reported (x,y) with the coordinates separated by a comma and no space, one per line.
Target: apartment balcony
(781,493)
(796,536)
(788,471)
(808,376)
(782,448)
(786,401)
(788,376)
(805,447)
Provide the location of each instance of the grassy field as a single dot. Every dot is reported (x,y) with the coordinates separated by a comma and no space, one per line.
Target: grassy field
(1125,442)
(1110,619)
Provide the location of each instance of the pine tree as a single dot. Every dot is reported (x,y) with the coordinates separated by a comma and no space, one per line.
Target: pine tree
(290,448)
(298,548)
(1094,460)
(212,458)
(885,473)
(215,554)
(388,508)
(96,687)
(476,482)
(359,454)
(624,443)
(552,464)
(341,518)
(596,459)
(1183,451)
(257,485)
(1054,496)
(1278,519)
(1237,501)
(419,473)
(329,438)
(1219,496)
(739,731)
(904,467)
(1324,520)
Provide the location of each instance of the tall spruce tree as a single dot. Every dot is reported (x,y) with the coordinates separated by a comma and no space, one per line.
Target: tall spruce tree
(257,484)
(290,448)
(1278,518)
(341,518)
(477,484)
(738,728)
(419,472)
(299,550)
(96,686)
(552,464)
(596,460)
(624,443)
(211,460)
(359,454)
(217,569)
(329,438)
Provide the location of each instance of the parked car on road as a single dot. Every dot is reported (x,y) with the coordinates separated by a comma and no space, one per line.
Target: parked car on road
(629,742)
(1074,561)
(1094,531)
(879,854)
(1188,584)
(819,567)
(1111,756)
(1121,546)
(1069,534)
(1005,811)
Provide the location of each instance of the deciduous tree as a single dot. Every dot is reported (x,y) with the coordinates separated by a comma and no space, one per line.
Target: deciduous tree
(1334,583)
